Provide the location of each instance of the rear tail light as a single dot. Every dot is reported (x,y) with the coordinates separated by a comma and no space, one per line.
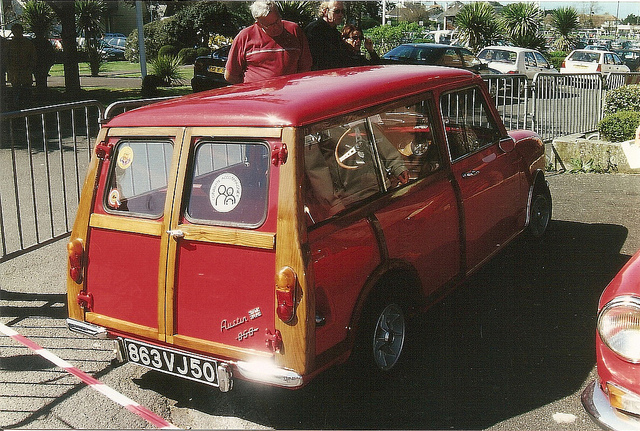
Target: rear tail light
(563,65)
(599,68)
(75,252)
(286,282)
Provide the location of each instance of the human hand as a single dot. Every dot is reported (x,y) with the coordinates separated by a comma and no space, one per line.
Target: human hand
(404,177)
(368,44)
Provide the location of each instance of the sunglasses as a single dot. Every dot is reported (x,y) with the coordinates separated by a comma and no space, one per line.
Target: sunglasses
(356,37)
(339,11)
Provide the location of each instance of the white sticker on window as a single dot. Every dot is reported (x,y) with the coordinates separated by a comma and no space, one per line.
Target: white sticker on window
(225,193)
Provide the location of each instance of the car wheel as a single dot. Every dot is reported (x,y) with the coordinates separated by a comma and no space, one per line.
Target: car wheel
(540,212)
(382,337)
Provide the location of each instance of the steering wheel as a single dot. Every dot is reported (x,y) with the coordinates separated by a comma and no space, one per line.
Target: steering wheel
(345,155)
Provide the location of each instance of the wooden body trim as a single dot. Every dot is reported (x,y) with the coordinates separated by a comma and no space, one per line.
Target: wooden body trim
(299,335)
(266,240)
(123,224)
(81,227)
(123,326)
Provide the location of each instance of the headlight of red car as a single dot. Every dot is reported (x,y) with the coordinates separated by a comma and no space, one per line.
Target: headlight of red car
(619,327)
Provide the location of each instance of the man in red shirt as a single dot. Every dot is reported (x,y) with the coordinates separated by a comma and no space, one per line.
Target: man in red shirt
(270,47)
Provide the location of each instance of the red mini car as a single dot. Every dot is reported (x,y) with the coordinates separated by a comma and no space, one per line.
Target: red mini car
(613,399)
(266,231)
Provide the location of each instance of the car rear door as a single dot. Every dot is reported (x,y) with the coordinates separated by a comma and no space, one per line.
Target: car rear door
(220,287)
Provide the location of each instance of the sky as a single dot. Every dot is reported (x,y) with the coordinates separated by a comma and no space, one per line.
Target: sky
(621,8)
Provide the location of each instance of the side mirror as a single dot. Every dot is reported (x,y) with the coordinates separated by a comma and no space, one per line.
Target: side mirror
(507,144)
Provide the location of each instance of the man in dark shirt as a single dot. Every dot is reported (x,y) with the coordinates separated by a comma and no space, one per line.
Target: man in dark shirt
(325,41)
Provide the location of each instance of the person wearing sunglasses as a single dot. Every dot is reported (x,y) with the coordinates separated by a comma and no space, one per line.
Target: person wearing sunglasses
(325,41)
(353,38)
(270,47)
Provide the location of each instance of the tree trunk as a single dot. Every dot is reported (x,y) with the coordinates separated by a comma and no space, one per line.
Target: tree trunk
(67,16)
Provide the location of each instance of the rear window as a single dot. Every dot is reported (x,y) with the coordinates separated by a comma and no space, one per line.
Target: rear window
(585,56)
(499,55)
(138,179)
(229,184)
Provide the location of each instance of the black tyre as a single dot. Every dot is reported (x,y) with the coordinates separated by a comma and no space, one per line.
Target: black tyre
(539,212)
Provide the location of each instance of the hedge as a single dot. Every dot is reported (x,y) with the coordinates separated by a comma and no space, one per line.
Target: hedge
(188,55)
(625,98)
(620,126)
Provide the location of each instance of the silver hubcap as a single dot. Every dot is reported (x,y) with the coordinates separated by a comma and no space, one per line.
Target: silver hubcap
(388,338)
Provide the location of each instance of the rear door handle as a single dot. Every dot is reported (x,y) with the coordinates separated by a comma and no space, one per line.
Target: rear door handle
(176,233)
(471,173)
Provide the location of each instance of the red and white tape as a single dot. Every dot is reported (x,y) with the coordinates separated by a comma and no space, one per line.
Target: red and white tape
(117,397)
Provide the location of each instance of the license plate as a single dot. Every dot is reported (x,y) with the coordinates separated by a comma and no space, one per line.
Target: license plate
(181,364)
(216,69)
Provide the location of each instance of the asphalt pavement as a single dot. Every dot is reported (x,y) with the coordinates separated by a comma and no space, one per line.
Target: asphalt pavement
(511,349)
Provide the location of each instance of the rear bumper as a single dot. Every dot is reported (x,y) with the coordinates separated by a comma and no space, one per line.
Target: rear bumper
(597,405)
(265,372)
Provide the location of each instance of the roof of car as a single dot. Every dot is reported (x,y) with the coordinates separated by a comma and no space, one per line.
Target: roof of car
(591,51)
(510,48)
(431,45)
(294,100)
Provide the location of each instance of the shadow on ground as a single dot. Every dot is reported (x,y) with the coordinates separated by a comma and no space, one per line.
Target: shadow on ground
(518,335)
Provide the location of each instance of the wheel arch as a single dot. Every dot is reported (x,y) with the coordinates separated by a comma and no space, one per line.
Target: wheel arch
(395,277)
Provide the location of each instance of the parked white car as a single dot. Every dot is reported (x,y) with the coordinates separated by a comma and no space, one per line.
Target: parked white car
(588,61)
(511,59)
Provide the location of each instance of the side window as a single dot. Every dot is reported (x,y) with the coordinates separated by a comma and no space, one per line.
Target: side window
(138,179)
(542,62)
(349,163)
(468,57)
(450,58)
(468,125)
(529,59)
(616,59)
(229,184)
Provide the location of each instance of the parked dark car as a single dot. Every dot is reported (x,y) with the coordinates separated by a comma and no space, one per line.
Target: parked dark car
(208,70)
(438,55)
(110,52)
(630,57)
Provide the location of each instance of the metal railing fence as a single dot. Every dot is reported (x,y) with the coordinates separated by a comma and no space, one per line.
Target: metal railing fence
(49,148)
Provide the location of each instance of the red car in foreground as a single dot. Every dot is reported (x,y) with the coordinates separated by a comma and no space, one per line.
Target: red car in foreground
(613,399)
(267,231)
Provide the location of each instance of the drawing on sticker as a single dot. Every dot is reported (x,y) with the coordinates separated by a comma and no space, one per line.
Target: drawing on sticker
(125,157)
(225,193)
(114,199)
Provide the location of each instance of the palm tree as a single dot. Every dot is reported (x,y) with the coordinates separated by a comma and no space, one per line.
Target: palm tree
(478,25)
(565,22)
(88,21)
(522,22)
(300,12)
(39,19)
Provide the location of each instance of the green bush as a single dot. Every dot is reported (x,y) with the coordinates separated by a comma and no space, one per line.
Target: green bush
(202,51)
(556,58)
(188,55)
(620,126)
(625,98)
(155,37)
(167,51)
(167,68)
